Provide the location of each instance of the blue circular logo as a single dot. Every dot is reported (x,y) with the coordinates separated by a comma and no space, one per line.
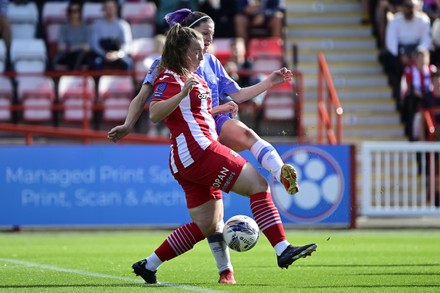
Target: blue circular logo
(320,182)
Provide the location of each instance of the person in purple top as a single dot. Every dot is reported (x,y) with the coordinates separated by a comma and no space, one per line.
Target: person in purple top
(232,132)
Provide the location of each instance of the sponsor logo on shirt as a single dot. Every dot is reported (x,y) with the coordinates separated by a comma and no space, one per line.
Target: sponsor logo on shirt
(223,179)
(204,96)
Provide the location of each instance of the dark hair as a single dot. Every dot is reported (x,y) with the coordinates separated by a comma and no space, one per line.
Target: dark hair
(73,4)
(186,17)
(177,43)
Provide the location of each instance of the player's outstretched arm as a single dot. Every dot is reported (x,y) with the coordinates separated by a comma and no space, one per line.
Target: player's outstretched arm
(135,110)
(250,92)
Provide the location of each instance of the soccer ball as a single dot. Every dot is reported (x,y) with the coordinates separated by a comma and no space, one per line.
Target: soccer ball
(241,233)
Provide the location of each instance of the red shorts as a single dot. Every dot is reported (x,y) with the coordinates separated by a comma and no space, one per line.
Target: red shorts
(215,172)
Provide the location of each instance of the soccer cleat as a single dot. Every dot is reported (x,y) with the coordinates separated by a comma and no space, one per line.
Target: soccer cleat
(293,253)
(140,270)
(289,179)
(227,277)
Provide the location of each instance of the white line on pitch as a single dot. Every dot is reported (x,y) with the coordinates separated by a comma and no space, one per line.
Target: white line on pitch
(98,275)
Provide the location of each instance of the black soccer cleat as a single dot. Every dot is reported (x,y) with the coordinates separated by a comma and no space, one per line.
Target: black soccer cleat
(140,270)
(293,253)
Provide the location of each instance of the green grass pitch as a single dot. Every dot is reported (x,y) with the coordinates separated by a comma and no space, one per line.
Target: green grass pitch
(100,261)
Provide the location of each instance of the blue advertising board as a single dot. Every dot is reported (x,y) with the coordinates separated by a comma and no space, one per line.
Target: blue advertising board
(132,185)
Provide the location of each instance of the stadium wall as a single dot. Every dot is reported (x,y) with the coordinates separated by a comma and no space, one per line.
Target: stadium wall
(131,185)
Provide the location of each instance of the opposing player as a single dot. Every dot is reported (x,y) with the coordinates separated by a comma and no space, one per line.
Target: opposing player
(202,166)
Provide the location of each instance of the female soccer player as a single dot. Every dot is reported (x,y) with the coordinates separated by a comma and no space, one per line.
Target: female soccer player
(202,166)
(233,133)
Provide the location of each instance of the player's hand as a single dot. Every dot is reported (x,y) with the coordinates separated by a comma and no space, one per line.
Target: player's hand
(117,133)
(226,108)
(280,76)
(189,85)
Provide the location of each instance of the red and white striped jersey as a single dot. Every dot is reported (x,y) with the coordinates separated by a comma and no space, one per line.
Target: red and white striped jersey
(192,127)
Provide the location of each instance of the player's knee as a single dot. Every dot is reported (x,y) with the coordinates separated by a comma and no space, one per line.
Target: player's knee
(260,185)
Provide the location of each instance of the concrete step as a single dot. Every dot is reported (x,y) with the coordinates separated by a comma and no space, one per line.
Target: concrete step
(354,80)
(330,43)
(297,18)
(323,6)
(336,57)
(352,95)
(327,31)
(366,67)
(375,105)
(367,131)
(360,118)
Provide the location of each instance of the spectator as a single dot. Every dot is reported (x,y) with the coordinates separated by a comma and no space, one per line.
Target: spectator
(259,13)
(419,77)
(222,12)
(383,13)
(73,49)
(435,54)
(165,6)
(110,40)
(5,27)
(408,31)
(431,8)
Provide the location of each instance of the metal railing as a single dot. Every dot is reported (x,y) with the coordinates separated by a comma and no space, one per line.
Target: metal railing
(328,105)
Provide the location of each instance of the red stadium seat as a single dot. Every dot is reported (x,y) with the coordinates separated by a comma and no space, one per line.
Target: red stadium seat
(28,55)
(140,48)
(115,94)
(265,48)
(141,17)
(73,91)
(279,103)
(6,96)
(222,49)
(2,55)
(23,18)
(36,94)
(54,12)
(92,11)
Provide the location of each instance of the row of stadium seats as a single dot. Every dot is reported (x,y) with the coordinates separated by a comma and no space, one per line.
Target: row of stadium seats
(24,18)
(41,96)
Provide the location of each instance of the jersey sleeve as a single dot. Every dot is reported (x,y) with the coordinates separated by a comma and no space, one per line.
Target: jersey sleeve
(226,85)
(165,87)
(153,72)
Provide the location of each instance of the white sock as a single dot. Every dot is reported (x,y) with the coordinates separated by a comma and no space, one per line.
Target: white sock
(221,252)
(153,262)
(281,246)
(268,157)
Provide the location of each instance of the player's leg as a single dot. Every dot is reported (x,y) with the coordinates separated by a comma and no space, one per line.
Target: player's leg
(205,208)
(252,184)
(237,136)
(220,250)
(180,241)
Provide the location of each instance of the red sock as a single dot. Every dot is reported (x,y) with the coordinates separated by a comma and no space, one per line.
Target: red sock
(267,217)
(180,241)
